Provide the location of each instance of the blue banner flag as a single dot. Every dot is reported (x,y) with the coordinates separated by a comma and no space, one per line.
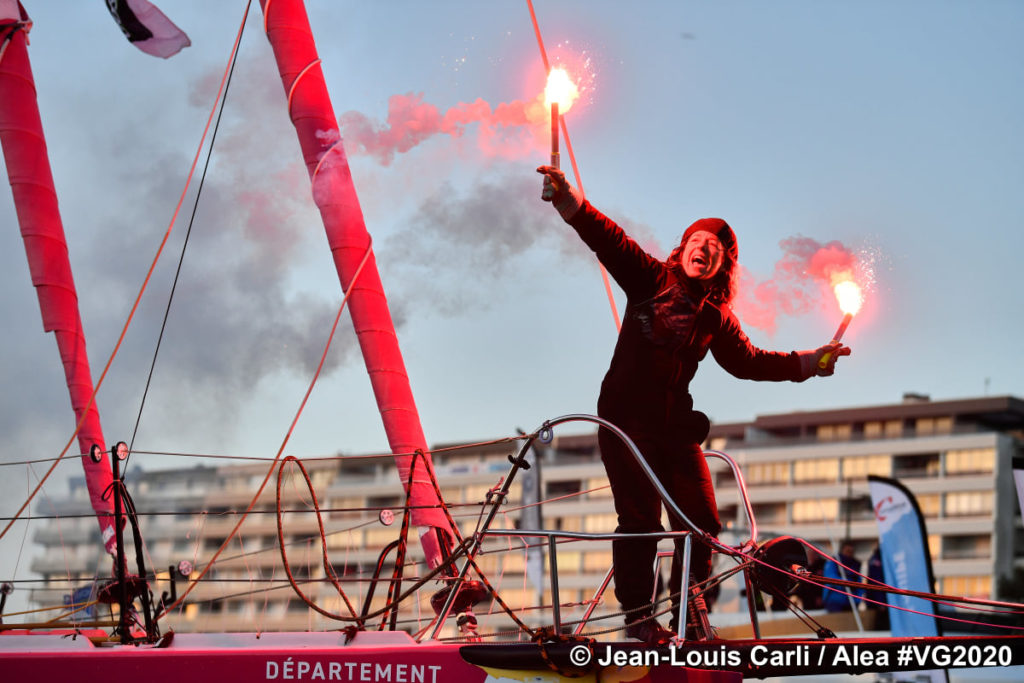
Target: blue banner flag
(906,562)
(905,557)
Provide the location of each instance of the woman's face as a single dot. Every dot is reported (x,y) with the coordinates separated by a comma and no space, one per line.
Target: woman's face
(702,255)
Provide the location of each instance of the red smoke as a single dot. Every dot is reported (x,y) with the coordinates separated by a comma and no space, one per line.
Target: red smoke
(512,129)
(803,278)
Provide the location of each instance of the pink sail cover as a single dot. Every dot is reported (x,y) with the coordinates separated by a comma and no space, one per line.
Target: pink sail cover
(35,200)
(335,195)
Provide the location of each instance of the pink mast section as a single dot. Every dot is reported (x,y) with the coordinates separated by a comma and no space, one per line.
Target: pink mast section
(35,200)
(310,108)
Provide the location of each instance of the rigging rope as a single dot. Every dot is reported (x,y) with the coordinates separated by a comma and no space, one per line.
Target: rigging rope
(328,569)
(949,601)
(257,458)
(1015,608)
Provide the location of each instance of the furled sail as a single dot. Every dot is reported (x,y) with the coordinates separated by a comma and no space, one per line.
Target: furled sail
(35,201)
(312,114)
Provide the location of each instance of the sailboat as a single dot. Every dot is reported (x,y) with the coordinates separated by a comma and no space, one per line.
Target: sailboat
(452,647)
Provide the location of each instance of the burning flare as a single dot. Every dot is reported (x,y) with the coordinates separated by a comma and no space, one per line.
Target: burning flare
(560,90)
(849,296)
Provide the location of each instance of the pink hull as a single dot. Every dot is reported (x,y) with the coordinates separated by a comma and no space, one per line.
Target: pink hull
(372,657)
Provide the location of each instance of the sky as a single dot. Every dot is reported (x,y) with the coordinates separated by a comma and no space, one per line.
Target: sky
(888,130)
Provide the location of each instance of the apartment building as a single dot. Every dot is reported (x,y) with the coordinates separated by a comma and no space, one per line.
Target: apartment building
(805,472)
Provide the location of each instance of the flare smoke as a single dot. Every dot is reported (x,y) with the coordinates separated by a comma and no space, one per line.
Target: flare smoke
(512,129)
(802,278)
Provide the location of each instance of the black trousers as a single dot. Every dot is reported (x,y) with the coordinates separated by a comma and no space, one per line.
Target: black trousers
(684,474)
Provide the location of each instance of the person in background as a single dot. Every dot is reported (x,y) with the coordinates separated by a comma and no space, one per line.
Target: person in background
(837,599)
(677,311)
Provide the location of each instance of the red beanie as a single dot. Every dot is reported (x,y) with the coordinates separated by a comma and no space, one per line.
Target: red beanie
(718,228)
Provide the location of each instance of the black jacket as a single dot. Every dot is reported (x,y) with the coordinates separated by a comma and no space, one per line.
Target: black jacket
(667,329)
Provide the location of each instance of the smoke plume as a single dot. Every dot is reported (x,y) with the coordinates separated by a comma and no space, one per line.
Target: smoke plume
(510,130)
(802,279)
(238,315)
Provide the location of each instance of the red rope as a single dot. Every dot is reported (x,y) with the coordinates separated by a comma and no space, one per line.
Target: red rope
(328,569)
(890,589)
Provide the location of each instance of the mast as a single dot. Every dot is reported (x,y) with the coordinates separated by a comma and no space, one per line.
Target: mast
(310,109)
(35,201)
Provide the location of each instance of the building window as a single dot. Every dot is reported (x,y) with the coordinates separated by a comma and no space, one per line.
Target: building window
(343,538)
(967,547)
(213,543)
(513,563)
(384,501)
(489,563)
(839,432)
(769,513)
(573,523)
(967,586)
(815,510)
(556,489)
(321,479)
(859,467)
(600,524)
(518,597)
(968,503)
(816,471)
(970,460)
(760,473)
(340,508)
(377,538)
(569,561)
(473,494)
(915,465)
(930,503)
(597,561)
(893,429)
(933,425)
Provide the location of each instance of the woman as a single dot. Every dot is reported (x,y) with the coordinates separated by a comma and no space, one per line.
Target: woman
(676,311)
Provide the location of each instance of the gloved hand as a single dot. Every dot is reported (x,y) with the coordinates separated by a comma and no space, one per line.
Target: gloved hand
(809,359)
(564,197)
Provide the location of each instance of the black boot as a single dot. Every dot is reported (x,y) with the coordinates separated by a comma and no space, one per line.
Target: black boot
(648,630)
